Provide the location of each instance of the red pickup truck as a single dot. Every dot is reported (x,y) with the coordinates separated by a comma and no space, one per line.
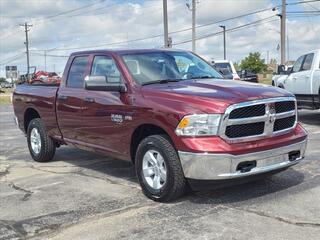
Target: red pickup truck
(167,111)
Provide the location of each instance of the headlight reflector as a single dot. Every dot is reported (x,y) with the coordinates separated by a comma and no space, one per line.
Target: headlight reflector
(199,125)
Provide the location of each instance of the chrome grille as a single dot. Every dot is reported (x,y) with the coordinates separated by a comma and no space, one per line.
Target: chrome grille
(251,111)
(284,123)
(284,106)
(259,119)
(245,130)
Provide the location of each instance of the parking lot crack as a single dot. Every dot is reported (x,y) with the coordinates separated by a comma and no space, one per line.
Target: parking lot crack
(280,219)
(4,169)
(51,171)
(81,173)
(10,225)
(27,193)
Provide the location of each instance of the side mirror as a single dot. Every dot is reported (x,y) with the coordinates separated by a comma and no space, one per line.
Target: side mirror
(100,83)
(281,70)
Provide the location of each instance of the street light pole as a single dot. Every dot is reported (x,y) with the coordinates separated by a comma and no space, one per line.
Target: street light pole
(283,32)
(165,24)
(224,42)
(194,25)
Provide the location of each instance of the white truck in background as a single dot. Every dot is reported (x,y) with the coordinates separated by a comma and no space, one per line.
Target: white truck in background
(226,68)
(304,80)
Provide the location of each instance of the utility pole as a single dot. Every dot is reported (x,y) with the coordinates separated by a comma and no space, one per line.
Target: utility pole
(224,42)
(45,60)
(165,24)
(288,49)
(283,32)
(27,29)
(194,3)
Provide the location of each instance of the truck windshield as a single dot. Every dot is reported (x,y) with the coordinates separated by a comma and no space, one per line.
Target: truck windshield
(226,66)
(164,66)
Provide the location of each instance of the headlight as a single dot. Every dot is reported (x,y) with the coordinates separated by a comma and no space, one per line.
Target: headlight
(199,125)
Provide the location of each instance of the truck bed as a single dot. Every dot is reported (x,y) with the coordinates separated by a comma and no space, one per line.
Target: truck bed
(40,97)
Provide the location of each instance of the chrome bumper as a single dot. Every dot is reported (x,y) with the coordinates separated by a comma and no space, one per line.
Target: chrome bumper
(205,166)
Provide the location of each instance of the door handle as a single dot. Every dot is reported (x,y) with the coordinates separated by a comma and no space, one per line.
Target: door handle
(89,100)
(62,97)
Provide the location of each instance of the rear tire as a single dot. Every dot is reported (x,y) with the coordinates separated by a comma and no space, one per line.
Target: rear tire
(42,148)
(159,150)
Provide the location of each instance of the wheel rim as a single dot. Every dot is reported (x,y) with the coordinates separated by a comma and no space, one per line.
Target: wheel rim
(154,169)
(35,140)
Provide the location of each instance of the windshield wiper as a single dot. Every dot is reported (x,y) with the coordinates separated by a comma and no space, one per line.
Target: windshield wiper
(160,81)
(202,77)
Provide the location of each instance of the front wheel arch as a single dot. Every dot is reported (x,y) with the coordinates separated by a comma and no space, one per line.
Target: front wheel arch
(143,131)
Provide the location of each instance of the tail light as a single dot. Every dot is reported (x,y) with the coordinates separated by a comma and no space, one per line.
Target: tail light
(236,78)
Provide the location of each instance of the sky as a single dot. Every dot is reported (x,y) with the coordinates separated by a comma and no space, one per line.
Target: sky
(64,26)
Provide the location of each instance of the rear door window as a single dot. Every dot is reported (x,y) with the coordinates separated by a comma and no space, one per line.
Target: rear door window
(77,72)
(297,64)
(308,62)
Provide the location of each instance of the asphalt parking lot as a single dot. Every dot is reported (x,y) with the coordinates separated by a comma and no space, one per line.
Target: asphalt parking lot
(82,195)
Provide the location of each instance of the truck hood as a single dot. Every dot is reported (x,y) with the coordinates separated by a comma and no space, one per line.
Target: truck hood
(209,95)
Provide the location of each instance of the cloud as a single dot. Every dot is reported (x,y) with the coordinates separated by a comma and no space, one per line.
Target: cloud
(117,21)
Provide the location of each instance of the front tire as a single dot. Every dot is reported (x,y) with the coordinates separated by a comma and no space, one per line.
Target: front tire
(42,148)
(159,170)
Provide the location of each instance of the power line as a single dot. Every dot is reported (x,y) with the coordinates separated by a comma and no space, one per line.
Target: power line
(159,35)
(228,30)
(18,56)
(170,33)
(302,2)
(227,19)
(314,7)
(9,58)
(72,10)
(303,12)
(50,55)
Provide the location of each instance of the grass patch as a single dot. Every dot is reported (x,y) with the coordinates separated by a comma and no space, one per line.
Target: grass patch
(4,100)
(6,91)
(265,81)
(5,97)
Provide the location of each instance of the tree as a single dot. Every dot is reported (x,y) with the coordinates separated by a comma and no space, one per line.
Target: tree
(253,63)
(236,66)
(2,79)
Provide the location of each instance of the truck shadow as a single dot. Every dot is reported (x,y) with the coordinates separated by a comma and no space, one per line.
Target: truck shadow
(310,117)
(279,183)
(97,165)
(117,170)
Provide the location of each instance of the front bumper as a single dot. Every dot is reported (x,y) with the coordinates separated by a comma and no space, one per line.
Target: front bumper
(207,166)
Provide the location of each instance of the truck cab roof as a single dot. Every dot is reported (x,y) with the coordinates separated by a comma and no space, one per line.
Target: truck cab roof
(126,51)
